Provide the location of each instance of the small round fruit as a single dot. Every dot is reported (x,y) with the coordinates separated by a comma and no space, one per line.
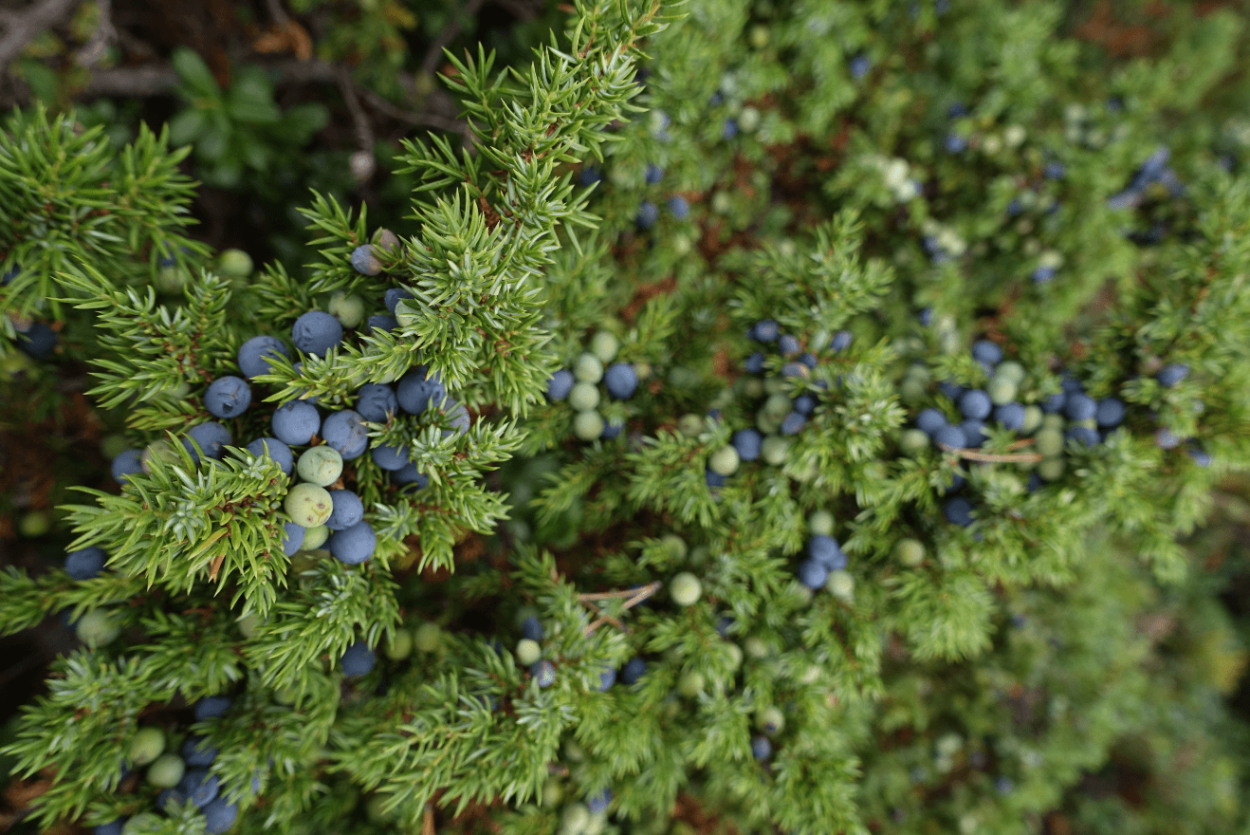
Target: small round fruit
(97,628)
(544,673)
(1049,442)
(315,537)
(296,422)
(1001,390)
(349,309)
(690,684)
(322,465)
(1051,469)
(353,545)
(841,584)
(34,523)
(357,660)
(910,552)
(588,425)
(604,345)
(724,461)
(588,369)
(685,589)
(166,772)
(770,720)
(913,441)
(316,332)
(584,396)
(147,745)
(348,510)
(308,505)
(574,819)
(774,450)
(399,646)
(228,397)
(234,263)
(427,637)
(528,652)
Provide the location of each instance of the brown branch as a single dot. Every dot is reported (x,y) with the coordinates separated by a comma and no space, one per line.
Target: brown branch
(20,28)
(363,163)
(972,455)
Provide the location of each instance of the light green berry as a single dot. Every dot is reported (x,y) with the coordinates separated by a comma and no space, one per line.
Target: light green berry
(778,405)
(1010,370)
(553,792)
(399,646)
(1049,442)
(735,655)
(524,613)
(248,624)
(234,263)
(766,423)
(685,589)
(675,545)
(770,720)
(752,387)
(348,309)
(588,369)
(820,523)
(1051,469)
(604,345)
(147,745)
(724,461)
(314,538)
(1032,419)
(161,450)
(575,819)
(1053,421)
(1001,390)
(748,119)
(320,465)
(774,450)
(912,390)
(143,823)
(588,425)
(34,523)
(910,552)
(913,441)
(167,771)
(97,628)
(690,684)
(427,637)
(841,584)
(584,396)
(690,425)
(756,647)
(528,652)
(308,505)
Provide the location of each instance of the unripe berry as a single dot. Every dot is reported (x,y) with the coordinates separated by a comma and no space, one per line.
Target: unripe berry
(910,552)
(770,720)
(348,309)
(146,745)
(690,684)
(308,505)
(724,461)
(321,465)
(427,637)
(584,397)
(315,537)
(167,771)
(528,652)
(588,369)
(234,263)
(604,345)
(685,589)
(588,425)
(97,628)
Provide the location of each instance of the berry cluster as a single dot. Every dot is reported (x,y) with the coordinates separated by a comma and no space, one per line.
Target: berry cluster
(182,777)
(580,386)
(825,566)
(529,651)
(322,511)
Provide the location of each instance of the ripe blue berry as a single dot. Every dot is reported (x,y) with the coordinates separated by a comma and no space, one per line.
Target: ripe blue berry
(589,176)
(197,752)
(274,449)
(761,748)
(295,423)
(38,341)
(748,443)
(1083,434)
(409,475)
(621,380)
(389,457)
(532,628)
(840,341)
(953,391)
(793,423)
(560,384)
(346,431)
(958,511)
(955,143)
(220,815)
(598,802)
(1043,274)
(85,563)
(347,511)
(648,214)
(316,332)
(812,574)
(679,207)
(606,679)
(754,363)
(974,432)
(211,436)
(168,798)
(633,670)
(730,130)
(986,351)
(416,390)
(254,355)
(1080,407)
(1165,439)
(211,707)
(1199,456)
(805,404)
(1110,413)
(930,420)
(1170,375)
(127,463)
(357,660)
(788,344)
(975,404)
(353,545)
(654,174)
(1010,416)
(544,673)
(200,786)
(765,330)
(381,322)
(228,397)
(113,827)
(1054,403)
(714,479)
(951,436)
(393,297)
(292,537)
(364,261)
(376,402)
(859,66)
(825,551)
